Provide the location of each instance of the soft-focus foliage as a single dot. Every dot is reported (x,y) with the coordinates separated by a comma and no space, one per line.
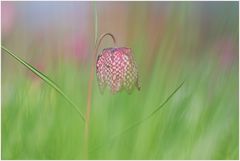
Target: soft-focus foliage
(172,41)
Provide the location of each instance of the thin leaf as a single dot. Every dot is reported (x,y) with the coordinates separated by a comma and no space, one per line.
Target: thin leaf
(45,79)
(144,119)
(153,113)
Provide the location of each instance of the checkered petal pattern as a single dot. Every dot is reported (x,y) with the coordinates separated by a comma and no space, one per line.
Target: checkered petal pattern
(117,70)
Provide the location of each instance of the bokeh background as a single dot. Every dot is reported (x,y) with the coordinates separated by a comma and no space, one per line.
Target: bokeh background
(195,42)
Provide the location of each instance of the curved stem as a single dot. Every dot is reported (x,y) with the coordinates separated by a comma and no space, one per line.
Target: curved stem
(89,97)
(98,43)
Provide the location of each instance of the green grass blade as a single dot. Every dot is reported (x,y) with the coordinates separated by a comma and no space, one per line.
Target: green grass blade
(152,113)
(144,119)
(96,21)
(45,79)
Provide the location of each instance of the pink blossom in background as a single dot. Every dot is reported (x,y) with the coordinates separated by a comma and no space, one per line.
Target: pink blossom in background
(227,52)
(8,15)
(78,48)
(116,68)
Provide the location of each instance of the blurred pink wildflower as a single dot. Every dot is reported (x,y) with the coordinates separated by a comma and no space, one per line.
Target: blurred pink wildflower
(227,51)
(8,17)
(79,47)
(117,69)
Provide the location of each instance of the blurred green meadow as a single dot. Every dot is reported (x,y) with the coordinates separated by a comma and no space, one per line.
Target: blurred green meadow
(194,42)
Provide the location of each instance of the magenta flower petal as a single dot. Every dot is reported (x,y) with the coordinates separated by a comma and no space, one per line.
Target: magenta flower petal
(117,69)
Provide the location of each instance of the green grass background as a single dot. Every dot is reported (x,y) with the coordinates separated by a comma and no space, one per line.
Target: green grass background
(201,121)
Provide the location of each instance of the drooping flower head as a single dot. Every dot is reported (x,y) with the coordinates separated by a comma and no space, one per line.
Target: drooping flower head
(116,68)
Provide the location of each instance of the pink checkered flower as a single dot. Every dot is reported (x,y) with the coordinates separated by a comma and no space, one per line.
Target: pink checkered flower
(117,69)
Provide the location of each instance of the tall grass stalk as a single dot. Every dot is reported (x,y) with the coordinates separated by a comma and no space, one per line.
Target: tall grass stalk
(89,96)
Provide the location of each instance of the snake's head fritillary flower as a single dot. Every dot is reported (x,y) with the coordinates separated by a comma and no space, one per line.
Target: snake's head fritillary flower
(116,68)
